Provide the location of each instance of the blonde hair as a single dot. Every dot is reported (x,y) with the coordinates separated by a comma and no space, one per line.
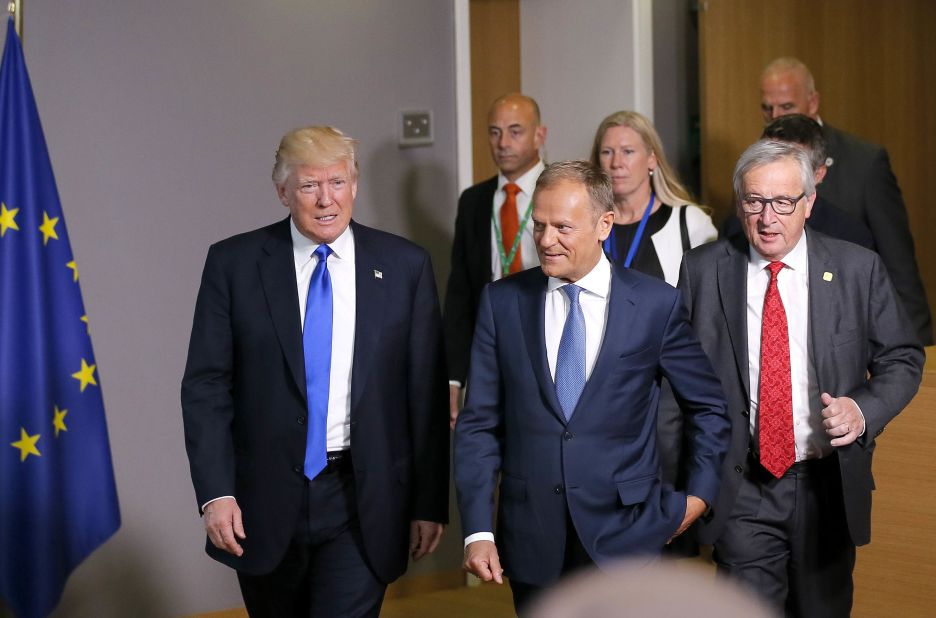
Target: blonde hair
(665,182)
(319,146)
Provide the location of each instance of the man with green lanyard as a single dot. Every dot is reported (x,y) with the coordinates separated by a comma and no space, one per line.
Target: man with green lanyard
(493,231)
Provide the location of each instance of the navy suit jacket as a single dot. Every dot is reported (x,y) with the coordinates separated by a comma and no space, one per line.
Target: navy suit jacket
(860,342)
(602,466)
(244,394)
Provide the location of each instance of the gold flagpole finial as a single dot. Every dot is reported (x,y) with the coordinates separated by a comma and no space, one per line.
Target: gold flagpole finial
(15,9)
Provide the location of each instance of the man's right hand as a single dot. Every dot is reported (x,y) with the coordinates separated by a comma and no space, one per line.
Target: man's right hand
(454,401)
(223,523)
(481,560)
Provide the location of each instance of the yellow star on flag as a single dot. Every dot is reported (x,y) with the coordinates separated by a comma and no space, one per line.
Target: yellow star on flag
(86,375)
(74,267)
(27,445)
(48,228)
(84,319)
(7,219)
(59,421)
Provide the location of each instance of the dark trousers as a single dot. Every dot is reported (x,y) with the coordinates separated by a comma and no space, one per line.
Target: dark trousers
(788,540)
(324,572)
(576,559)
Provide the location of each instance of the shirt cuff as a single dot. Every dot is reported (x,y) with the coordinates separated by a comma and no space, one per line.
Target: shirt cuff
(864,425)
(479,536)
(215,499)
(455,383)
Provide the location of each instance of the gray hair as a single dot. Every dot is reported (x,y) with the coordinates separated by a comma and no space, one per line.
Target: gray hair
(765,152)
(597,184)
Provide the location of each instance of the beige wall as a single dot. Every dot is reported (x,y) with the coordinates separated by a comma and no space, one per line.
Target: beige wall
(162,119)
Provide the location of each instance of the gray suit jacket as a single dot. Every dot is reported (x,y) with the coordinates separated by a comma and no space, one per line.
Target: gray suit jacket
(860,340)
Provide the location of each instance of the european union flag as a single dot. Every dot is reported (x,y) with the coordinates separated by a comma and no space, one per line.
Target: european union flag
(58,501)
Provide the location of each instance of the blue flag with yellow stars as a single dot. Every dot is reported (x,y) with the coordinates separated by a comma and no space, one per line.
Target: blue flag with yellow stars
(58,501)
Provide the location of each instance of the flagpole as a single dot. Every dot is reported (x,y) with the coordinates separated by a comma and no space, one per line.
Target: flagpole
(15,8)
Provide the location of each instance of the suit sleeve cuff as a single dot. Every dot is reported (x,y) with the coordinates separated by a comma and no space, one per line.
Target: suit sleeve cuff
(864,424)
(478,536)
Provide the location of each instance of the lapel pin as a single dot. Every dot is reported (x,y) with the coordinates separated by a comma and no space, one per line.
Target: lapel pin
(827,276)
(379,275)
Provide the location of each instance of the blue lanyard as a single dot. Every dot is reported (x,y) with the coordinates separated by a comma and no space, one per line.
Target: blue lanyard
(610,246)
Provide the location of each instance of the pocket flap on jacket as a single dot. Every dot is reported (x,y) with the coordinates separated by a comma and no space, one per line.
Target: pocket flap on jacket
(635,491)
(513,488)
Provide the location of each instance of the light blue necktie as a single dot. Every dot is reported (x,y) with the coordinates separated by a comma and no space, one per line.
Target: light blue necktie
(570,363)
(317,347)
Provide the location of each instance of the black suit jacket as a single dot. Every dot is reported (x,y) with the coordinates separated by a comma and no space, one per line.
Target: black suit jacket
(859,340)
(471,271)
(860,181)
(244,395)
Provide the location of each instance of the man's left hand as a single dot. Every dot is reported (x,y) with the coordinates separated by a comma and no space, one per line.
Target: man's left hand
(424,537)
(842,419)
(695,507)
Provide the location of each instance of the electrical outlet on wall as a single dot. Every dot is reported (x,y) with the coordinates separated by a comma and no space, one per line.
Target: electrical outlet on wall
(416,127)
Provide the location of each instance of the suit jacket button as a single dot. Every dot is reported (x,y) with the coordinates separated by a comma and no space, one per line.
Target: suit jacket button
(559,489)
(745,413)
(738,469)
(567,435)
(300,420)
(297,469)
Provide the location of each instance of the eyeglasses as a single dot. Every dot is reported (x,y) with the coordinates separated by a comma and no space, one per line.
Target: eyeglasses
(782,205)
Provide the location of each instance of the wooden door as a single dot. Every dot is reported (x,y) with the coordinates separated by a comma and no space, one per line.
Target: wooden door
(875,67)
(495,70)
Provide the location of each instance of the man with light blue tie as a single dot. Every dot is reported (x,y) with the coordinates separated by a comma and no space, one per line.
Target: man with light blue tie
(564,382)
(315,397)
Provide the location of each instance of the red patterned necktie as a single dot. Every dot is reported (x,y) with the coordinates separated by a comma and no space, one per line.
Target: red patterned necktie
(510,226)
(775,407)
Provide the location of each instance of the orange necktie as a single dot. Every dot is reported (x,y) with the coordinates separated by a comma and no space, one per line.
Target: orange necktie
(510,226)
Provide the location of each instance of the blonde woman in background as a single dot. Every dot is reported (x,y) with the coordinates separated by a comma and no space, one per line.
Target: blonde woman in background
(655,220)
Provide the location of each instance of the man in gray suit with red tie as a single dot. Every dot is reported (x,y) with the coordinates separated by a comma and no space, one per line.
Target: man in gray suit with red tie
(314,397)
(816,356)
(562,403)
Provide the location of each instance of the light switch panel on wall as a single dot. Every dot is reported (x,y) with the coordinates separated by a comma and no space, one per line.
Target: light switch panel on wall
(416,128)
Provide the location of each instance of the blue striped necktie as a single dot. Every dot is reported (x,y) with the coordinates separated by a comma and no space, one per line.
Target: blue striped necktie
(570,362)
(317,348)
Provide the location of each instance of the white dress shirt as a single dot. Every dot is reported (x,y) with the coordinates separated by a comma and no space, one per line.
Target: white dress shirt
(596,288)
(810,438)
(341,269)
(527,183)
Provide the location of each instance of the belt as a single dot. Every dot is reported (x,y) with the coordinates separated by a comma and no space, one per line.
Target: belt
(799,468)
(338,460)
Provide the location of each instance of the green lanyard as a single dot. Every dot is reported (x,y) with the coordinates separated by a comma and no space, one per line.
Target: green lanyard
(505,259)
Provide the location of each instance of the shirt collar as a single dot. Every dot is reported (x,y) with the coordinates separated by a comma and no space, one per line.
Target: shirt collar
(527,182)
(304,247)
(597,281)
(796,260)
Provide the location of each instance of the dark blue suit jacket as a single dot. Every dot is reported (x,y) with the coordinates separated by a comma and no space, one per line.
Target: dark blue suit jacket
(244,394)
(602,467)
